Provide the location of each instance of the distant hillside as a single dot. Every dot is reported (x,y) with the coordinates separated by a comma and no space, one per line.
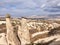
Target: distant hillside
(54,16)
(44,16)
(36,16)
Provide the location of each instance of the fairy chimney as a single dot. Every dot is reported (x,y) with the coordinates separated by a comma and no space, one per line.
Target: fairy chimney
(24,35)
(11,35)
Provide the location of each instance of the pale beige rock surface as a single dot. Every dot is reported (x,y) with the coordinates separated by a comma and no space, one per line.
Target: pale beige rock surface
(3,40)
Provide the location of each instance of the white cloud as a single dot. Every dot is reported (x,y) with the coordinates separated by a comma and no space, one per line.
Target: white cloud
(43,5)
(58,4)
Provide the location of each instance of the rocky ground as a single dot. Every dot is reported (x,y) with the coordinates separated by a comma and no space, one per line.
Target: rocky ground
(3,40)
(53,37)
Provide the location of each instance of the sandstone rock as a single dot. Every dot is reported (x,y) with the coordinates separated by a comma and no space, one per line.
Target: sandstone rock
(3,39)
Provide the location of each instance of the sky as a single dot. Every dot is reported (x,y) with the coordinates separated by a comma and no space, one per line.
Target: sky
(29,7)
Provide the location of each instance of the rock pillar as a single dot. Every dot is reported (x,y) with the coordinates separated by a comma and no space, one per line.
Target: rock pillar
(11,35)
(24,32)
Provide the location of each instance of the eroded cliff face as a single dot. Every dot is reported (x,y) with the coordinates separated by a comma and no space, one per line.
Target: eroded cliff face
(42,32)
(30,31)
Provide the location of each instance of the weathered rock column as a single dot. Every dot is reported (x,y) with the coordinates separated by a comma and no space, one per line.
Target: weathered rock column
(11,35)
(24,32)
